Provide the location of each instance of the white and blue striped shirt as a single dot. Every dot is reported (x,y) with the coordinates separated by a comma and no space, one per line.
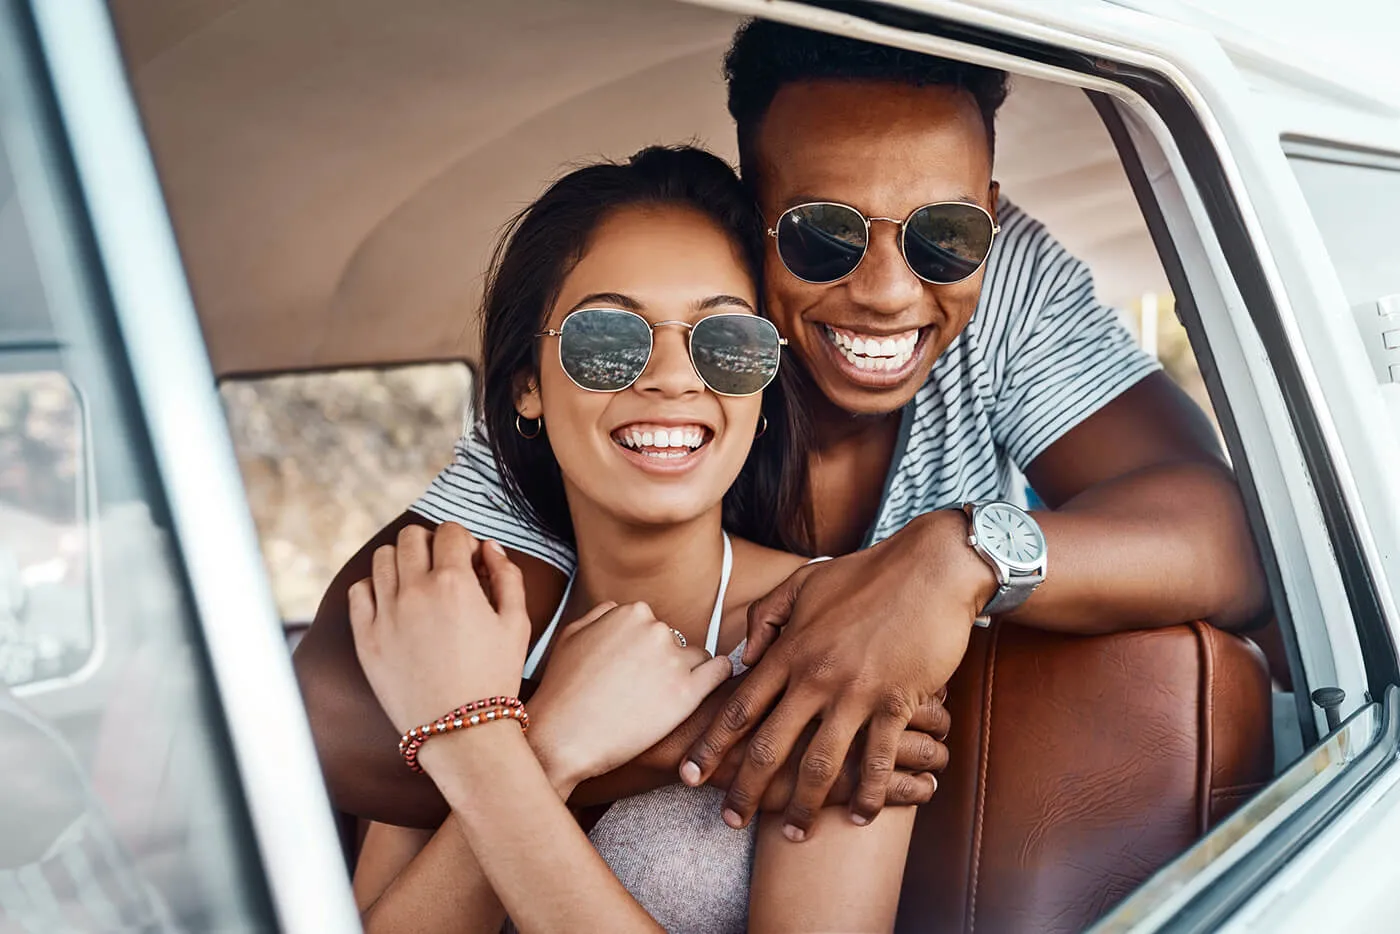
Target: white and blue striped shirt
(1040,355)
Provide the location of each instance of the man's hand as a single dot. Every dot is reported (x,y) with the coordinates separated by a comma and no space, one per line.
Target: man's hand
(920,753)
(866,640)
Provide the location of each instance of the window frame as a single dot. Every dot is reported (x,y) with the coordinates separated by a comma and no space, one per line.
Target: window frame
(118,234)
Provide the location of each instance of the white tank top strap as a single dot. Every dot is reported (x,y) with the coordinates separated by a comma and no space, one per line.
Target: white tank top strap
(532,661)
(717,614)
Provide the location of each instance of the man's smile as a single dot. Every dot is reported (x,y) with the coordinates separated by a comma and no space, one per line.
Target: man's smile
(875,360)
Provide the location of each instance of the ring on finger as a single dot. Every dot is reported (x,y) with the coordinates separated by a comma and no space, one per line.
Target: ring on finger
(679,637)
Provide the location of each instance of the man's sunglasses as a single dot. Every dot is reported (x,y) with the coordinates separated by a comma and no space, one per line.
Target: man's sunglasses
(943,243)
(607,349)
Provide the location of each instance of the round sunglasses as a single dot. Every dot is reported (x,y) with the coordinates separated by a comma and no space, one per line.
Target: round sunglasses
(943,243)
(607,349)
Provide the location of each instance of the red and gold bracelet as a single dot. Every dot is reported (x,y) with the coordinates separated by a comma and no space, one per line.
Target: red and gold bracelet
(486,710)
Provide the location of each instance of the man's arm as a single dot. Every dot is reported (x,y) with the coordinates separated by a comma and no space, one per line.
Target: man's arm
(1148,527)
(358,746)
(1150,531)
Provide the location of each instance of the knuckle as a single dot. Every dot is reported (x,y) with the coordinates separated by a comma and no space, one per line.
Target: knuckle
(893,702)
(762,752)
(818,768)
(876,767)
(735,714)
(902,789)
(923,752)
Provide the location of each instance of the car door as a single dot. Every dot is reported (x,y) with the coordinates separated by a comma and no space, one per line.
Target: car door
(1308,430)
(158,771)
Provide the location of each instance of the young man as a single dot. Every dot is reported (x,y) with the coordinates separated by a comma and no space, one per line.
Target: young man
(931,373)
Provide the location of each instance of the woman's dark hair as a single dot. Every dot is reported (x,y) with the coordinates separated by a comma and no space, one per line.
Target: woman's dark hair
(539,248)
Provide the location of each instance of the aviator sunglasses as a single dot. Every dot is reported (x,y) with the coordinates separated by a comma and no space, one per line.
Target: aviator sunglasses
(607,349)
(943,243)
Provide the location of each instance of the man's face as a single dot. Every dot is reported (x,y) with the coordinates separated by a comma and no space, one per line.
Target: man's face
(885,149)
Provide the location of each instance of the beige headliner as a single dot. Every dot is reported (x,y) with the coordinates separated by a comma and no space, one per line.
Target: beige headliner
(338,169)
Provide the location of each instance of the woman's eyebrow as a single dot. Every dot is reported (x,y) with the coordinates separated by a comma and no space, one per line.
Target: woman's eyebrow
(608,299)
(717,301)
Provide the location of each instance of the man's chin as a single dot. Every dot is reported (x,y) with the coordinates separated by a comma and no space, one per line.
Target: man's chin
(861,400)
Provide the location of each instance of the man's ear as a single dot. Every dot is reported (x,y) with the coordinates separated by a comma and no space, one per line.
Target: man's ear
(993,196)
(527,396)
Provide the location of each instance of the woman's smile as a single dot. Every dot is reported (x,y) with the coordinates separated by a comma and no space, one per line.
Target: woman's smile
(665,446)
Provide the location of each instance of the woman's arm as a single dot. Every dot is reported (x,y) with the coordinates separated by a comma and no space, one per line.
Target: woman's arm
(423,881)
(427,634)
(844,878)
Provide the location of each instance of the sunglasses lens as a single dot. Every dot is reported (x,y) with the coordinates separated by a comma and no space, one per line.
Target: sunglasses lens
(946,243)
(604,350)
(736,355)
(821,242)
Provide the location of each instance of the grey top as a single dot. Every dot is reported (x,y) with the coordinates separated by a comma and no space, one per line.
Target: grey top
(671,849)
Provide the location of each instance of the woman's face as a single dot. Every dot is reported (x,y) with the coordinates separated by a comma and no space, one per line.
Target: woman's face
(665,264)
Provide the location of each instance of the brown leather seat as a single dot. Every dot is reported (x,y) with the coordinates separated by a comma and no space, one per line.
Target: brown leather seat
(1081,765)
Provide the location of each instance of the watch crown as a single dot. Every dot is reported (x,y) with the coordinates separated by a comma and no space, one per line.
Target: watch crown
(972,539)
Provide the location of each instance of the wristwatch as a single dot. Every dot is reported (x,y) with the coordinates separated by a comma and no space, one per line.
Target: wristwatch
(1010,541)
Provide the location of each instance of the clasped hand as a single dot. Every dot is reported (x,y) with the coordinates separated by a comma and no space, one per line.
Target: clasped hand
(442,621)
(867,640)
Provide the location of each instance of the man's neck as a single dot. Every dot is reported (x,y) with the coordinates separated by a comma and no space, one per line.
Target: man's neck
(675,569)
(834,427)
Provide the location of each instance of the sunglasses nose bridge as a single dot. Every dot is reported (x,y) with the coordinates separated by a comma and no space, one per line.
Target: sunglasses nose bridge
(664,370)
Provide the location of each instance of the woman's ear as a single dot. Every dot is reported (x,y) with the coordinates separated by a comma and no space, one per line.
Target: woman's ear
(527,397)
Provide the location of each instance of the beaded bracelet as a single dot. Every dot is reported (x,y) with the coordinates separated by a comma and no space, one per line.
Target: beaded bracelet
(486,710)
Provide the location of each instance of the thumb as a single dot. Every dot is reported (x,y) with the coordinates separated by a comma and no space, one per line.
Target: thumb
(507,583)
(769,614)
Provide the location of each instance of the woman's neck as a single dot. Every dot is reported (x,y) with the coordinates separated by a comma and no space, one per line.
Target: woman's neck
(675,569)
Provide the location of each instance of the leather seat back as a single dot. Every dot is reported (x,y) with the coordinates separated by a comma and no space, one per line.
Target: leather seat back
(1081,765)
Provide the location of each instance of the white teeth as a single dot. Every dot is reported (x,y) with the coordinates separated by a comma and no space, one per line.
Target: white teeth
(879,354)
(679,441)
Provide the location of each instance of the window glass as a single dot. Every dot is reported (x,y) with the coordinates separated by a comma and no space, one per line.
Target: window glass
(119,801)
(329,458)
(46,623)
(1354,199)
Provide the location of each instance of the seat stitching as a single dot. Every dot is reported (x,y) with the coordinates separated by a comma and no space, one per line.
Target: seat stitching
(1206,764)
(984,754)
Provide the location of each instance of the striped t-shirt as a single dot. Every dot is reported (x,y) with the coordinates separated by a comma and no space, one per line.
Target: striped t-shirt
(1039,356)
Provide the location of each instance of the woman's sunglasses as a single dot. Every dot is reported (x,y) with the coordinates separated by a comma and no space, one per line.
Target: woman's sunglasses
(943,243)
(607,349)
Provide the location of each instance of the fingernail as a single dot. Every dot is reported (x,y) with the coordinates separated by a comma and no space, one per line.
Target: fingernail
(690,773)
(860,820)
(795,834)
(733,819)
(496,547)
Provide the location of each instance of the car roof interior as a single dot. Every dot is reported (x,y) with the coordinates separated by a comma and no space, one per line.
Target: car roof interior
(337,177)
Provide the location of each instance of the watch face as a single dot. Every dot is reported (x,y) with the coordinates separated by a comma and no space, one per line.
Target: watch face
(1010,534)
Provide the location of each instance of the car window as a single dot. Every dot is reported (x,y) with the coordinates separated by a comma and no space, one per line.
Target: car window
(119,800)
(1354,198)
(329,458)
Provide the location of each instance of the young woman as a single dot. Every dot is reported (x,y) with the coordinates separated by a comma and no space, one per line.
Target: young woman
(630,395)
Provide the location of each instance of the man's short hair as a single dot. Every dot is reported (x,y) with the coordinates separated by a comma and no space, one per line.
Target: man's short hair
(765,56)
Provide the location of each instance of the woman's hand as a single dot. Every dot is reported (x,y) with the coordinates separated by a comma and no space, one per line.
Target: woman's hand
(427,636)
(616,683)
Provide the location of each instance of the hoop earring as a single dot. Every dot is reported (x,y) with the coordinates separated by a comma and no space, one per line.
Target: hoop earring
(762,426)
(520,427)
